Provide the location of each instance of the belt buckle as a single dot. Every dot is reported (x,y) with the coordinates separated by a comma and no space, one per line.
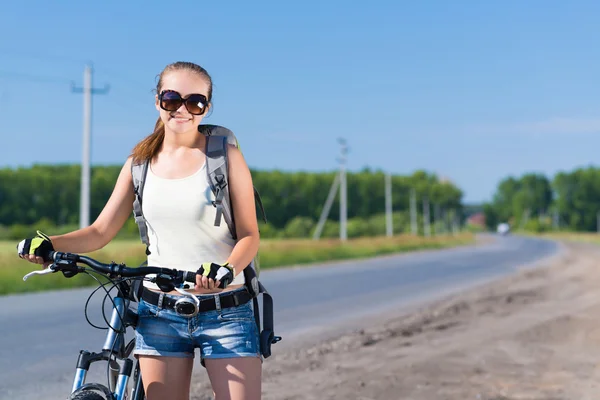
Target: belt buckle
(187,308)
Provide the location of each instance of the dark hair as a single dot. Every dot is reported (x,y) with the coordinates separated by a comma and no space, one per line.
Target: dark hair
(149,146)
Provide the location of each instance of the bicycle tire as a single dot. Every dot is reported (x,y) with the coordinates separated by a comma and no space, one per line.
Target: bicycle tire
(86,395)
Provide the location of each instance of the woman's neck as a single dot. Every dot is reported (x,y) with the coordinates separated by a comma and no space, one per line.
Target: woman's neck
(174,141)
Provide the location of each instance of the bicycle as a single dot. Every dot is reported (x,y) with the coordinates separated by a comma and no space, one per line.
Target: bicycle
(115,352)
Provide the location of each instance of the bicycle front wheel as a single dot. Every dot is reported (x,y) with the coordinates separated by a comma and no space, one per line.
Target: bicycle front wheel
(86,395)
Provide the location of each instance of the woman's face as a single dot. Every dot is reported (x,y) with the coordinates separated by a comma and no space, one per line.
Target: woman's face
(182,117)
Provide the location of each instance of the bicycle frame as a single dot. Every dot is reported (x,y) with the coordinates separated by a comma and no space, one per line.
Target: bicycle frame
(116,353)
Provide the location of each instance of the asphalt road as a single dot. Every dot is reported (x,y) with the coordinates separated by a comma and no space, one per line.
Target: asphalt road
(43,333)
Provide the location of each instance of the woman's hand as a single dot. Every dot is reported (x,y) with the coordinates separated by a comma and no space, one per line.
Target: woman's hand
(211,276)
(35,249)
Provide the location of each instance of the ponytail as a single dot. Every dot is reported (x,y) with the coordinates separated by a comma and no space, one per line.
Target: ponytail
(150,145)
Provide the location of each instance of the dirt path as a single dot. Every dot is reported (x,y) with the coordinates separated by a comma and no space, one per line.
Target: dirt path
(533,336)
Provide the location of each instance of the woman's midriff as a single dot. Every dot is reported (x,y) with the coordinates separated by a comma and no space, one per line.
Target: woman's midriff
(201,292)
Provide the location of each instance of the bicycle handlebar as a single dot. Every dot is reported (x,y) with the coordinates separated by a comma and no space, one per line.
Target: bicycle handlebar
(114,270)
(67,263)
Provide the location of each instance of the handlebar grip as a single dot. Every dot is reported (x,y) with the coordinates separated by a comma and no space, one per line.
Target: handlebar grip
(49,256)
(189,277)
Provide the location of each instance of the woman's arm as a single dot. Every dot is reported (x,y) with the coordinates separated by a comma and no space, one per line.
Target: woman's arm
(241,192)
(112,218)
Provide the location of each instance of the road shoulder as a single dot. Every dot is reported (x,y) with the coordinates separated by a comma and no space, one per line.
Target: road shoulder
(532,335)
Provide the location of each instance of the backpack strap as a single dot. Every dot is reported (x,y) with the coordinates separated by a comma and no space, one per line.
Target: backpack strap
(258,200)
(138,173)
(267,335)
(216,168)
(213,134)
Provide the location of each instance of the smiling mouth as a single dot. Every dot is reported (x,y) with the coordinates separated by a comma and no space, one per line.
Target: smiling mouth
(179,118)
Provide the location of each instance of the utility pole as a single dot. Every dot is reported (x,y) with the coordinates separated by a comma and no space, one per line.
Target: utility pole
(426,226)
(525,218)
(343,190)
(413,212)
(388,205)
(87,90)
(455,222)
(436,220)
(327,207)
(445,218)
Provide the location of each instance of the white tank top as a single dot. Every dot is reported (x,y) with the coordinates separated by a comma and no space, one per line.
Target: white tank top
(181,224)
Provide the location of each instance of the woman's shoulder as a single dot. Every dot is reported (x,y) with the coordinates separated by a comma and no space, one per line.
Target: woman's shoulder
(236,158)
(232,148)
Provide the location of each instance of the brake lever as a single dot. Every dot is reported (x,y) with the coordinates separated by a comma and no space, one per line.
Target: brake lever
(49,270)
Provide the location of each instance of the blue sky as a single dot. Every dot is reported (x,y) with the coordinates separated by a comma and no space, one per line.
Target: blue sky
(471,90)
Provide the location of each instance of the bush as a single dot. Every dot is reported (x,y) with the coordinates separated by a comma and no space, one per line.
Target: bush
(20,231)
(4,232)
(331,229)
(299,227)
(357,227)
(473,228)
(534,225)
(268,231)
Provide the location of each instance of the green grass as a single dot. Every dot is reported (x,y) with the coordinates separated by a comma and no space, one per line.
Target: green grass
(588,237)
(294,252)
(273,253)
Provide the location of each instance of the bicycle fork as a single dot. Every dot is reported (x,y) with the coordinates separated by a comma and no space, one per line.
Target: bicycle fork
(120,386)
(113,346)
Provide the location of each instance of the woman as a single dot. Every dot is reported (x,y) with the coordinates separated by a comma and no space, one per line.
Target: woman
(180,217)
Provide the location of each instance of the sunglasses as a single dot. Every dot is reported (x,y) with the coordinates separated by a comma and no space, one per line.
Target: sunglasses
(171,100)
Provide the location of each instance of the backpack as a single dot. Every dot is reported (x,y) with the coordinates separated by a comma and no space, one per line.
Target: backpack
(217,139)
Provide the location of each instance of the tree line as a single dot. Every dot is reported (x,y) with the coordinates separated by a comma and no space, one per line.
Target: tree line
(533,201)
(48,195)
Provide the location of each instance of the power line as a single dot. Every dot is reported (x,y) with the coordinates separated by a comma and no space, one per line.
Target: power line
(126,81)
(40,56)
(57,59)
(34,78)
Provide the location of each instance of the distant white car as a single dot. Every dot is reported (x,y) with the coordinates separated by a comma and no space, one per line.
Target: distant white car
(503,229)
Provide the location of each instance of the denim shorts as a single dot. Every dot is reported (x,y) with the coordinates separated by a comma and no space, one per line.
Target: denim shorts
(226,333)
